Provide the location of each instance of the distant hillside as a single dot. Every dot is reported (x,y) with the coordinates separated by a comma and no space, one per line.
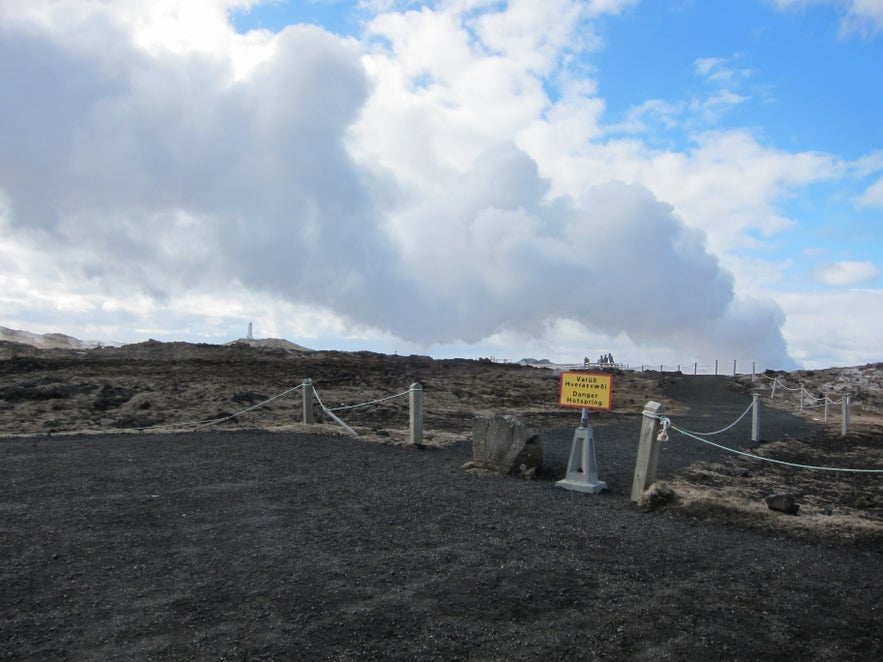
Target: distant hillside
(62,341)
(270,342)
(45,340)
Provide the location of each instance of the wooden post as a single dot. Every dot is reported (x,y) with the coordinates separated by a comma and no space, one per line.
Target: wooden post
(827,403)
(715,366)
(755,416)
(844,424)
(416,401)
(773,393)
(695,367)
(308,401)
(734,367)
(648,450)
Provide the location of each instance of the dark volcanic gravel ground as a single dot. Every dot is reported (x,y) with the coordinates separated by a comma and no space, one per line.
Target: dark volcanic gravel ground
(250,545)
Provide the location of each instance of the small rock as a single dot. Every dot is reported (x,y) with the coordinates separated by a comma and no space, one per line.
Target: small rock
(783,503)
(658,496)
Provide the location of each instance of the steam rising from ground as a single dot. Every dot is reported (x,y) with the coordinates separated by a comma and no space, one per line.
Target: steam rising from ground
(160,172)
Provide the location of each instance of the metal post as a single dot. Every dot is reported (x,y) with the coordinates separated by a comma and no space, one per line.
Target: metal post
(734,367)
(695,368)
(844,425)
(648,450)
(755,416)
(308,401)
(715,366)
(415,395)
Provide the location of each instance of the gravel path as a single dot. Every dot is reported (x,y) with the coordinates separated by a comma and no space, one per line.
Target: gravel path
(260,546)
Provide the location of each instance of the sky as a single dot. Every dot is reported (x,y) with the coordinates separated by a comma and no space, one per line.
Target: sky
(675,182)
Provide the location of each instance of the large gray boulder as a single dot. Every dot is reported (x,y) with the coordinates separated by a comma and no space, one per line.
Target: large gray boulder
(504,444)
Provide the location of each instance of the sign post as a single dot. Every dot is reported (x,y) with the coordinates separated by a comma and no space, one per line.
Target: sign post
(586,391)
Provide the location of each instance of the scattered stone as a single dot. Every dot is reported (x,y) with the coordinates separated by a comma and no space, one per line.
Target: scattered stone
(783,503)
(504,444)
(135,422)
(248,397)
(111,396)
(658,496)
(44,388)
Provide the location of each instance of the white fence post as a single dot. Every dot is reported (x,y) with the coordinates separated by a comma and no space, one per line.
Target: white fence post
(416,401)
(648,450)
(308,401)
(755,416)
(844,424)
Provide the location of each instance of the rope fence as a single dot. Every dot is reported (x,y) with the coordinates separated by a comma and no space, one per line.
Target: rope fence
(415,393)
(807,399)
(655,430)
(668,425)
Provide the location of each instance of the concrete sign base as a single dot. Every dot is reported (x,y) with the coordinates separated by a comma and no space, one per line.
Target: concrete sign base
(582,469)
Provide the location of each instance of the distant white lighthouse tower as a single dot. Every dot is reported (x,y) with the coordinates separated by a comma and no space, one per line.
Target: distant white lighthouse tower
(250,335)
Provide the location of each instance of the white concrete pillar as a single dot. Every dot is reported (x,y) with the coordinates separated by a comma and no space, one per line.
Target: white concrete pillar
(415,397)
(308,401)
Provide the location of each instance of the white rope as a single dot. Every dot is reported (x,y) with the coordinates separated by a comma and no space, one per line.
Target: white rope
(807,394)
(757,457)
(730,426)
(803,392)
(244,411)
(368,404)
(333,416)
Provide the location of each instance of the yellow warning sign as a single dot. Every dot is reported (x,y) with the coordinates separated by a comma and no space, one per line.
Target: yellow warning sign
(591,390)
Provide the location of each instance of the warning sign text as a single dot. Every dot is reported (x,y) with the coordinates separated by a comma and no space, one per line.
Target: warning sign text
(585,389)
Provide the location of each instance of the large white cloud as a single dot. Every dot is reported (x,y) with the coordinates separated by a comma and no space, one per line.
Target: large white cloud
(818,324)
(422,183)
